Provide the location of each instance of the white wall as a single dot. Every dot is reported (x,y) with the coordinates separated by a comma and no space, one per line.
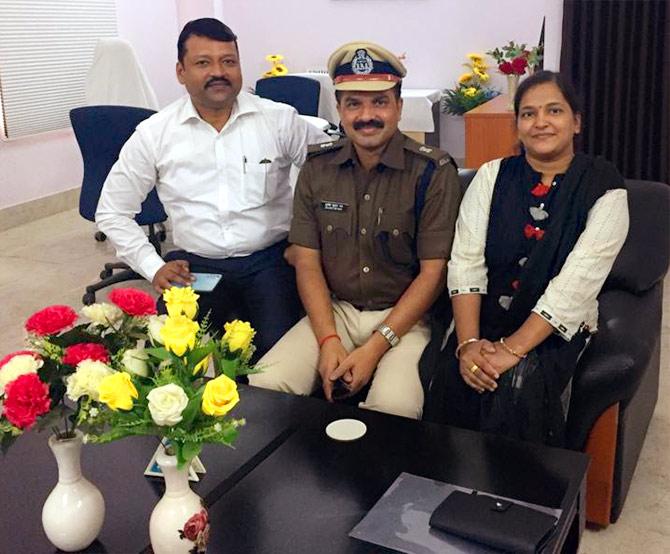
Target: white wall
(436,34)
(45,164)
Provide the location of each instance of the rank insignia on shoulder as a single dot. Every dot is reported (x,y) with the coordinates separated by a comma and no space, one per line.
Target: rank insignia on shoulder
(443,161)
(332,206)
(326,144)
(425,149)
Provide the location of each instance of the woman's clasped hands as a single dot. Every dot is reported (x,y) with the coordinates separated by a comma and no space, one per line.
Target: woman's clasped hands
(481,363)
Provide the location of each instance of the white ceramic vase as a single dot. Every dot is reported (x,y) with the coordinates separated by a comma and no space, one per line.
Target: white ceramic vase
(74,511)
(179,521)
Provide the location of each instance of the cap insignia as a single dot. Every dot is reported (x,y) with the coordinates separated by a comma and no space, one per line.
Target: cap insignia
(362,63)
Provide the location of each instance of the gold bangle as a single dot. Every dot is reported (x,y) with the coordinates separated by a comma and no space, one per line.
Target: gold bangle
(461,345)
(512,352)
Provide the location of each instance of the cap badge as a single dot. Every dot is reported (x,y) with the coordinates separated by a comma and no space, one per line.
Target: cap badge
(362,63)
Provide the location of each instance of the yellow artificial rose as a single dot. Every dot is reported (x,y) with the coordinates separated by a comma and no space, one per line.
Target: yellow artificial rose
(220,396)
(239,335)
(178,334)
(476,58)
(117,391)
(181,300)
(464,78)
(470,91)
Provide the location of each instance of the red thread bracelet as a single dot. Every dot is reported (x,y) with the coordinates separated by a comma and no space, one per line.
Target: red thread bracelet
(327,337)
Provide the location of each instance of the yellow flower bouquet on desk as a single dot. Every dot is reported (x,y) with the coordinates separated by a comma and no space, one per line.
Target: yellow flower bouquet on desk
(471,89)
(170,396)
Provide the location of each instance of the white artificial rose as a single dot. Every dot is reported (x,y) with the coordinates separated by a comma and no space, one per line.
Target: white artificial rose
(86,379)
(135,361)
(154,327)
(17,366)
(103,313)
(166,404)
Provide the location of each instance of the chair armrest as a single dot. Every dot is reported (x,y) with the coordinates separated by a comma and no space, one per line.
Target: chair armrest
(619,354)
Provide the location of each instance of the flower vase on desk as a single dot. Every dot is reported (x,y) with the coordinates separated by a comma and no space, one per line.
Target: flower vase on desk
(179,523)
(512,85)
(73,513)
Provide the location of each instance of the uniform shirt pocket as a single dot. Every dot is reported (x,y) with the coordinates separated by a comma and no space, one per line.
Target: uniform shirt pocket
(395,238)
(335,232)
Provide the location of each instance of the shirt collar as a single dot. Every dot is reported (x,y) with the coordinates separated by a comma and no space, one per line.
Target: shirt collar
(244,103)
(393,155)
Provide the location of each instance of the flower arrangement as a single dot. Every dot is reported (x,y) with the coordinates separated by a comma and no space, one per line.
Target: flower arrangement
(67,361)
(126,371)
(470,91)
(170,396)
(278,69)
(515,59)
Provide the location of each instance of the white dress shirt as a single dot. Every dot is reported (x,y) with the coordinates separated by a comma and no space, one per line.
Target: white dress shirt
(226,193)
(570,299)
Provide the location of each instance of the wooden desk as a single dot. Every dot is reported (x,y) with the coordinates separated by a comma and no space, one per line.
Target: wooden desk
(490,132)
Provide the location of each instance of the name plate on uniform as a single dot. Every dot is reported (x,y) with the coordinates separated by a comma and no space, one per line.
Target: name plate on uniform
(331,206)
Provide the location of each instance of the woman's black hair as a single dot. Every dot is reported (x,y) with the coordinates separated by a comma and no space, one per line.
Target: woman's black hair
(206,27)
(566,88)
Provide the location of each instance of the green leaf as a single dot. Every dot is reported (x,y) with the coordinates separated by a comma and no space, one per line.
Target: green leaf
(229,367)
(188,451)
(192,409)
(159,353)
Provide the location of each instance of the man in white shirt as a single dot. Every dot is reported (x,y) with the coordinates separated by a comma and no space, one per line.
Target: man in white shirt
(220,160)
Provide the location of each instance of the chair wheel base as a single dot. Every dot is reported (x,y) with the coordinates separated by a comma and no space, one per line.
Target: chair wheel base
(100,236)
(105,273)
(88,299)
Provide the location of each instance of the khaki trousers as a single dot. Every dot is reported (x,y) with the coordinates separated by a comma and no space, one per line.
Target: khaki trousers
(291,364)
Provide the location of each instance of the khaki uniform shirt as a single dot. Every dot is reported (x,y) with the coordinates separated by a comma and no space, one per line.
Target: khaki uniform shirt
(364,222)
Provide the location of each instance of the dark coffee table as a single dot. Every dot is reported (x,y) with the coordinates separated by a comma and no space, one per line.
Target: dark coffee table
(287,487)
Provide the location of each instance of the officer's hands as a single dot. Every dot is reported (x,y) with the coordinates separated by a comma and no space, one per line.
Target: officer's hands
(357,368)
(176,271)
(332,353)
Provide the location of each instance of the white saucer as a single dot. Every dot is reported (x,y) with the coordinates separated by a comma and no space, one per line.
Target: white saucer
(346,429)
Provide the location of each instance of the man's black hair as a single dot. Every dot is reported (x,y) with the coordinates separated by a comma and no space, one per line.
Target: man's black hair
(206,27)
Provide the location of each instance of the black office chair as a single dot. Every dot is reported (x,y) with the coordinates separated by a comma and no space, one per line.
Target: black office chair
(101,131)
(300,92)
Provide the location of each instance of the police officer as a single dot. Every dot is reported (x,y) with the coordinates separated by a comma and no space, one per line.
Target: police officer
(372,227)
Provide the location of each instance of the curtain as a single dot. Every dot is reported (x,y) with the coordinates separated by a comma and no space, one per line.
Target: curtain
(617,54)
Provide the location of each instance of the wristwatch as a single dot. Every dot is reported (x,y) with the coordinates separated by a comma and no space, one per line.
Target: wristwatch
(386,332)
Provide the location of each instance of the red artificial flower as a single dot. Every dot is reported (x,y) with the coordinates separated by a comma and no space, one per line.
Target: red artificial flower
(19,353)
(519,65)
(540,190)
(26,398)
(51,320)
(195,525)
(85,351)
(133,302)
(506,68)
(533,232)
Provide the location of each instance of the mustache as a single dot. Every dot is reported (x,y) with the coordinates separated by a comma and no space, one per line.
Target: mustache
(214,80)
(373,123)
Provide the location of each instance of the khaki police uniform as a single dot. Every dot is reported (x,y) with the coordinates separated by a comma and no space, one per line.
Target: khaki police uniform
(365,225)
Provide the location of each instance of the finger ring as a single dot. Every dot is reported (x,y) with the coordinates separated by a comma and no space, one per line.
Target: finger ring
(474,368)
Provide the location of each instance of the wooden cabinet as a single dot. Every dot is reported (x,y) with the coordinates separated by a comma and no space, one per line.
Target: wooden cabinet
(490,132)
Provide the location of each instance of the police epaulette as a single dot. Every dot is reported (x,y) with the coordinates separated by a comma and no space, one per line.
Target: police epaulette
(440,157)
(316,149)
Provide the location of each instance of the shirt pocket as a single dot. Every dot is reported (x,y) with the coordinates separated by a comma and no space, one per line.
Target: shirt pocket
(259,181)
(394,238)
(335,232)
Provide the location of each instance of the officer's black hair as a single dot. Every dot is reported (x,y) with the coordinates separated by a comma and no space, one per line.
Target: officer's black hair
(566,88)
(206,27)
(397,89)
